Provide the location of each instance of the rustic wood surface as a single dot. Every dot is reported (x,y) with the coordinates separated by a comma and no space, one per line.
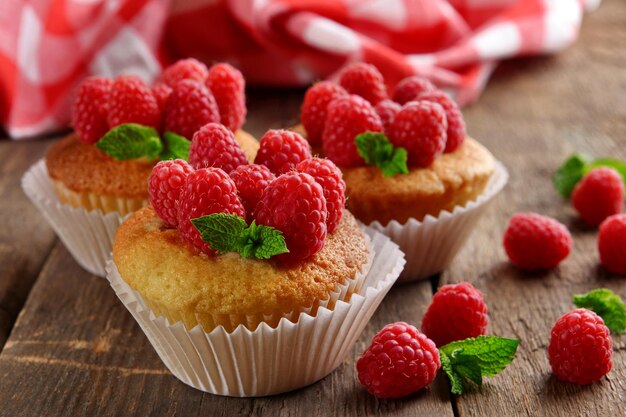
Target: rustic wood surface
(75,351)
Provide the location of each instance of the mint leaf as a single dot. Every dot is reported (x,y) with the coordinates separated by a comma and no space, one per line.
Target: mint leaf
(229,233)
(175,147)
(467,361)
(607,305)
(130,141)
(568,174)
(376,149)
(617,165)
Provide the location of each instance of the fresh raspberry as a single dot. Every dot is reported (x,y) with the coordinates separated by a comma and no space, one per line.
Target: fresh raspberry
(420,128)
(161,93)
(612,243)
(164,186)
(536,242)
(185,69)
(328,176)
(387,111)
(364,80)
(409,88)
(215,146)
(581,349)
(348,117)
(599,195)
(228,87)
(294,204)
(399,362)
(282,150)
(457,312)
(456,125)
(314,108)
(190,107)
(251,181)
(89,114)
(206,191)
(131,101)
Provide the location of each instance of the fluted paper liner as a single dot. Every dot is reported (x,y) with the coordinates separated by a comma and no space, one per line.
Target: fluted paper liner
(431,245)
(88,235)
(268,360)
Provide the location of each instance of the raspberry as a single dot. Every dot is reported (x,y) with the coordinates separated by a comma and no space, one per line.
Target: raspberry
(457,312)
(215,146)
(409,88)
(282,150)
(228,87)
(190,107)
(89,114)
(315,106)
(364,80)
(598,195)
(161,93)
(399,362)
(387,111)
(164,185)
(536,242)
(347,117)
(420,128)
(329,177)
(581,348)
(131,101)
(206,191)
(456,126)
(612,243)
(294,204)
(251,181)
(185,69)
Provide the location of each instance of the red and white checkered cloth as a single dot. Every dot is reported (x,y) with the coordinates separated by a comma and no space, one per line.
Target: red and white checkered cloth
(47,47)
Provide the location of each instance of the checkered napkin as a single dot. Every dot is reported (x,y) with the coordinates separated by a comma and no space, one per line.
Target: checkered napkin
(46,47)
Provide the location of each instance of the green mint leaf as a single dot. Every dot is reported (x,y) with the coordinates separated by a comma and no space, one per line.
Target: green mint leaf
(617,165)
(470,359)
(175,147)
(568,174)
(130,141)
(265,241)
(376,149)
(607,305)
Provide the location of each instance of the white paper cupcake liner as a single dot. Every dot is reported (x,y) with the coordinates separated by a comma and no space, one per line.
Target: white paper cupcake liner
(88,235)
(431,245)
(268,360)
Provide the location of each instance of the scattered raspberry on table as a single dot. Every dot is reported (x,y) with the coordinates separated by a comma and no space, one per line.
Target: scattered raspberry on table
(612,244)
(599,195)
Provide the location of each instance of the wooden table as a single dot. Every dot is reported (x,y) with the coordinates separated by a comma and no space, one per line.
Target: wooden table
(70,348)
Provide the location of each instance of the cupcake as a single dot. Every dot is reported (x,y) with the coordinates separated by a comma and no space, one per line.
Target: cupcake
(410,169)
(231,275)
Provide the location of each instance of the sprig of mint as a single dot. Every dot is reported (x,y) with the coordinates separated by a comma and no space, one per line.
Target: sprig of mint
(175,147)
(467,361)
(229,233)
(577,166)
(376,149)
(131,140)
(607,305)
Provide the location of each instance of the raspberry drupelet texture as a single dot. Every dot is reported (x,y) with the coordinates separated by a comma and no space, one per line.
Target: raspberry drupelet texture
(89,113)
(228,87)
(348,117)
(420,128)
(581,349)
(535,242)
(206,191)
(409,88)
(190,106)
(599,195)
(364,80)
(399,362)
(612,244)
(455,135)
(329,177)
(294,203)
(251,181)
(458,311)
(387,111)
(164,185)
(215,146)
(131,101)
(315,108)
(161,93)
(282,150)
(185,69)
